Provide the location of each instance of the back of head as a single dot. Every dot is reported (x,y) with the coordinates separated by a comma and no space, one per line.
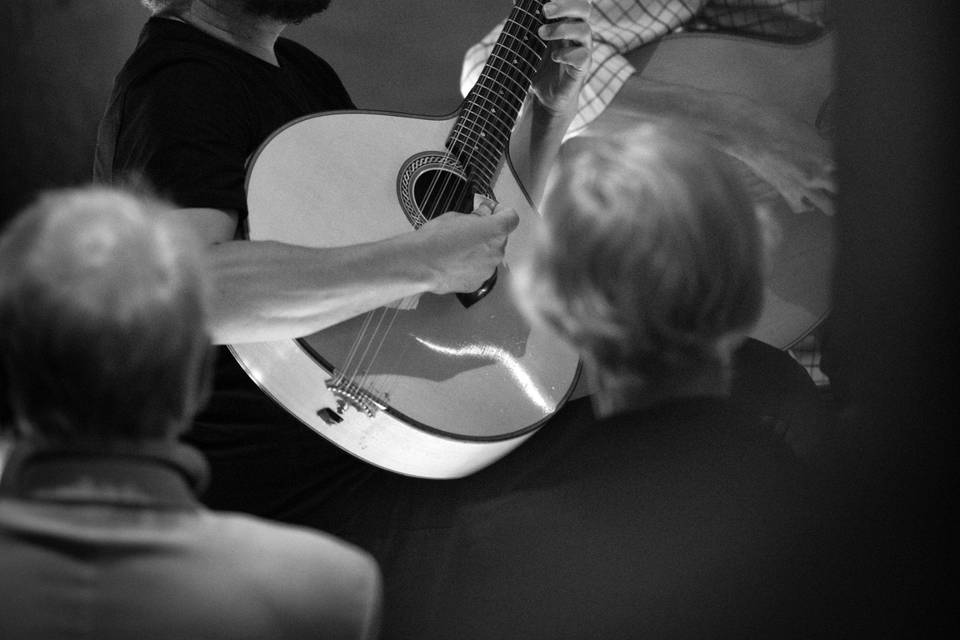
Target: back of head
(163,7)
(102,315)
(650,259)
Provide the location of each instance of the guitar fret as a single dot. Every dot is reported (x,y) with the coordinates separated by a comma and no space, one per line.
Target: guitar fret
(510,70)
(481,134)
(516,90)
(490,146)
(502,122)
(493,148)
(481,139)
(484,152)
(523,43)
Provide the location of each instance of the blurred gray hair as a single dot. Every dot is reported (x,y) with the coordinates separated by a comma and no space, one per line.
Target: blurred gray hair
(102,304)
(166,6)
(650,258)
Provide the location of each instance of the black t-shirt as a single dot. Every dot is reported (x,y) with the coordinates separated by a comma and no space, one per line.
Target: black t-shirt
(186,113)
(684,520)
(188,110)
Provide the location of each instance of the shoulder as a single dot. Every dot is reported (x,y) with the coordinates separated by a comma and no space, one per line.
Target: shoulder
(317,579)
(290,545)
(176,61)
(292,50)
(313,69)
(187,78)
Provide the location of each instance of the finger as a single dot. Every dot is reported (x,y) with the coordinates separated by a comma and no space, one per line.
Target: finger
(821,201)
(575,57)
(507,217)
(483,206)
(578,32)
(826,183)
(558,9)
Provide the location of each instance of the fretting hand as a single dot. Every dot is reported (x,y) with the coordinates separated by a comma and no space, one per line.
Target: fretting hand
(566,63)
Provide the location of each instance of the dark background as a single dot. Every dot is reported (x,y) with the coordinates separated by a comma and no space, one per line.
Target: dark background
(58,59)
(893,330)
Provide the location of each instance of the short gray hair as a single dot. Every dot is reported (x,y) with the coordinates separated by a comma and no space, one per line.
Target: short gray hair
(650,256)
(102,304)
(166,6)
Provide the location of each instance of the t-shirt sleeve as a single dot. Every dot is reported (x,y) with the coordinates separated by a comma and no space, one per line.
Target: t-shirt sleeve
(184,131)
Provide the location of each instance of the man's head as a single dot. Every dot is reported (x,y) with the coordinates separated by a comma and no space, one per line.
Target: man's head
(102,313)
(286,11)
(650,258)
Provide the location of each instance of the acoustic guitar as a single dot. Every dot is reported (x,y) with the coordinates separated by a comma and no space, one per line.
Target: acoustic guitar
(443,385)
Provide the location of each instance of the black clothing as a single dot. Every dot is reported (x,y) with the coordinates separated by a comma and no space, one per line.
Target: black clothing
(566,507)
(688,519)
(186,113)
(188,110)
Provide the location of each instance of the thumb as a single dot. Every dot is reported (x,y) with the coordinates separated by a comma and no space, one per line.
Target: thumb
(507,216)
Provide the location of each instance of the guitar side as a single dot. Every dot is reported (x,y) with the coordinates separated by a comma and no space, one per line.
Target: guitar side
(458,387)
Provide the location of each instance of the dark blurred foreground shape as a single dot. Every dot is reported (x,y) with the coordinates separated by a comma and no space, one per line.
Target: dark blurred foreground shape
(892,342)
(892,348)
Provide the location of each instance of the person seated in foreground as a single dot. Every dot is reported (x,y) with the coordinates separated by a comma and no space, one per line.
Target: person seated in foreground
(677,513)
(106,359)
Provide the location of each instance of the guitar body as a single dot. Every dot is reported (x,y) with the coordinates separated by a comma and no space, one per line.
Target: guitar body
(443,389)
(790,81)
(435,387)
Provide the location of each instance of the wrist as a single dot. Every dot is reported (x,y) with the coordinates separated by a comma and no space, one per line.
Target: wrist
(414,259)
(551,116)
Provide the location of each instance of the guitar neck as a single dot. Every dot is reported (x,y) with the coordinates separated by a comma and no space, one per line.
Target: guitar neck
(481,134)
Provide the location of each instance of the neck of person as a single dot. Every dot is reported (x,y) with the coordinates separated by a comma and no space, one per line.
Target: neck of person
(618,393)
(227,21)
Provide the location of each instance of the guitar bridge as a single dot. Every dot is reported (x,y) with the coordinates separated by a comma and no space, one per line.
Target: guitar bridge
(350,394)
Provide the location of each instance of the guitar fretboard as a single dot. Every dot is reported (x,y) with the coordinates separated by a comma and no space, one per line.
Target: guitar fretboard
(481,133)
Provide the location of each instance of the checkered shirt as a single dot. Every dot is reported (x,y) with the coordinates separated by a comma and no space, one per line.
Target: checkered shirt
(622,25)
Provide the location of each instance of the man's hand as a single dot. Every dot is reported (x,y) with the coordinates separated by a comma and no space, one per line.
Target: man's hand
(463,250)
(567,60)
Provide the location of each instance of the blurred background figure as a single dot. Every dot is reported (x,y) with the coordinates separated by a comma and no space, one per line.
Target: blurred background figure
(651,262)
(678,512)
(105,354)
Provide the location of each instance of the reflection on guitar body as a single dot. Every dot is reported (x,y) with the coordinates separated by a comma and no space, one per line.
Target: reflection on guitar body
(444,385)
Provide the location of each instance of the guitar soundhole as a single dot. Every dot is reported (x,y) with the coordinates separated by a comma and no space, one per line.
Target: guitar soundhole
(437,191)
(430,184)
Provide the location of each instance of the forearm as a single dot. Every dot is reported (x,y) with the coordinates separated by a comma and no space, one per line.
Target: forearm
(271,291)
(535,143)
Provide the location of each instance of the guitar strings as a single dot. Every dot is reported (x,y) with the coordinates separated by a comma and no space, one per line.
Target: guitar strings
(440,185)
(453,195)
(474,112)
(493,101)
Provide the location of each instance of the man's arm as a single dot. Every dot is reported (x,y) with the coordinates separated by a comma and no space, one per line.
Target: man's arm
(271,290)
(552,101)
